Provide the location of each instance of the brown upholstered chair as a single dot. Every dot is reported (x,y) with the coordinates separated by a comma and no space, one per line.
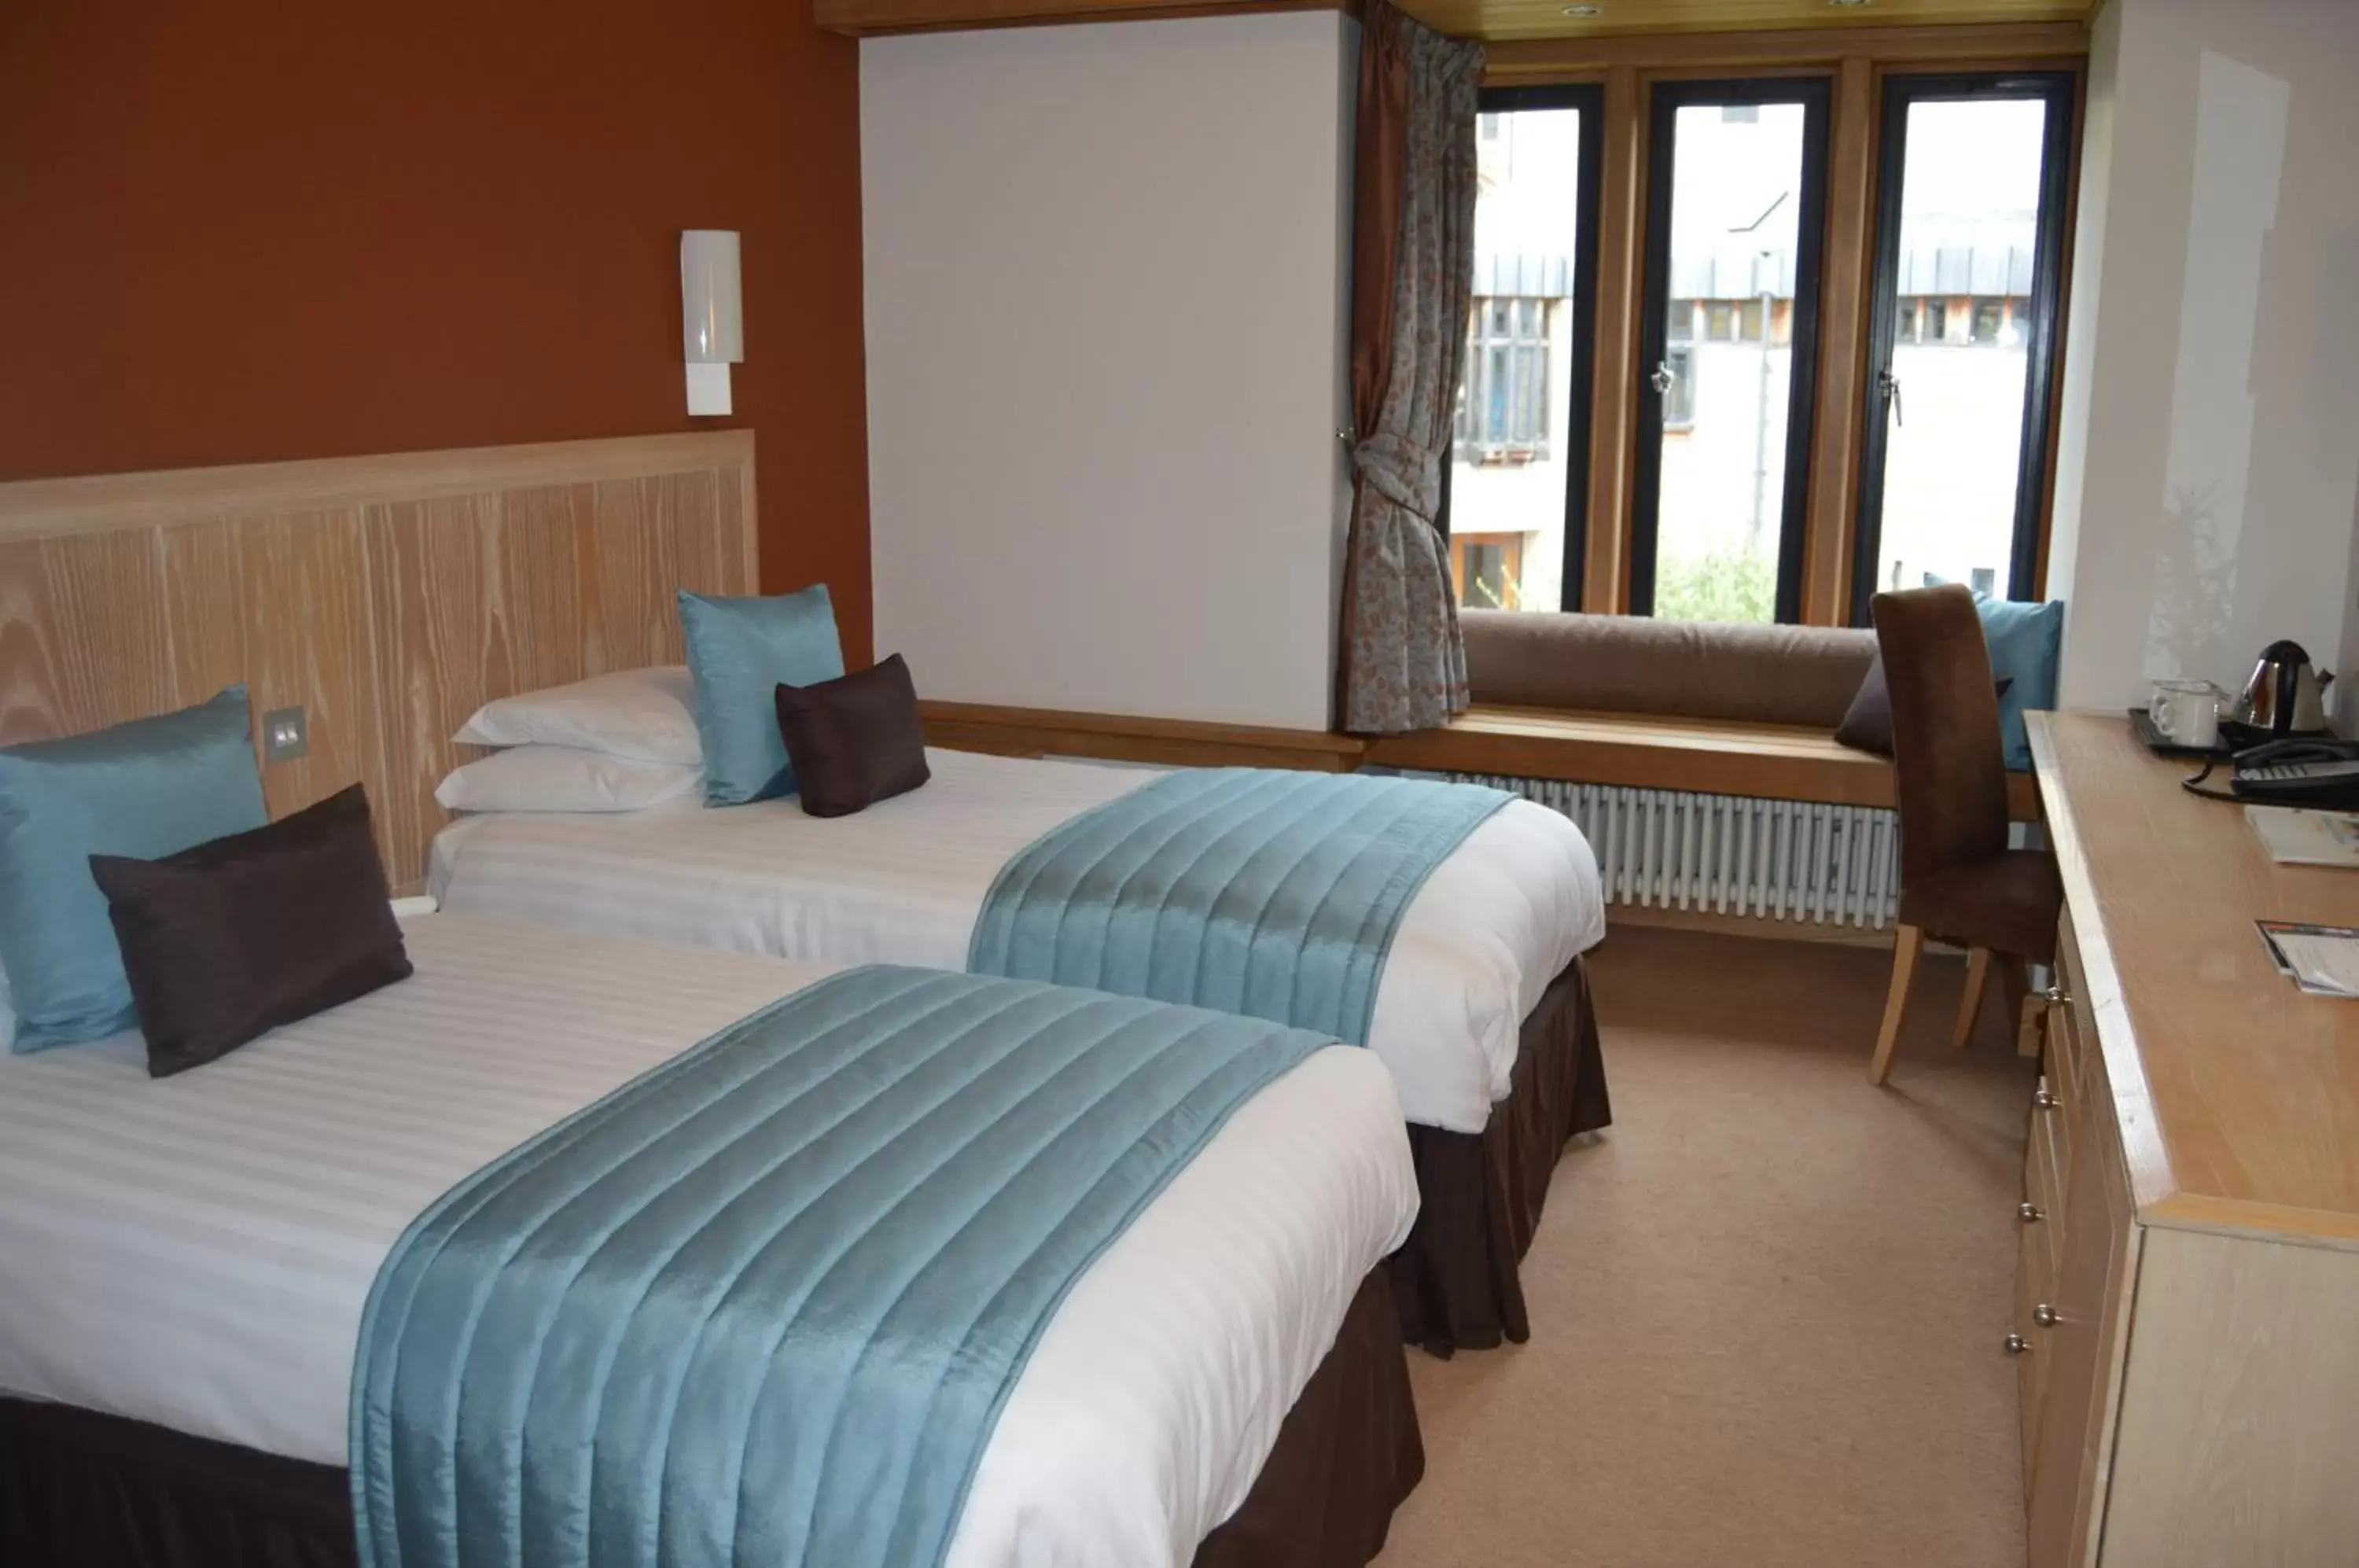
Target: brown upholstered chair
(1959,881)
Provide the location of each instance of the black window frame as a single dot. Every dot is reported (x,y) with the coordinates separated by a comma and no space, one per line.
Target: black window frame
(2057,90)
(1664,102)
(1589,98)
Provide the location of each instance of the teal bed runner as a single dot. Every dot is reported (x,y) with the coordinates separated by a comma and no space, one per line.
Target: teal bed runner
(1248,890)
(763,1303)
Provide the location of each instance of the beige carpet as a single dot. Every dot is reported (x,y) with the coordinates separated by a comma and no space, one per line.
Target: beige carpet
(1767,1304)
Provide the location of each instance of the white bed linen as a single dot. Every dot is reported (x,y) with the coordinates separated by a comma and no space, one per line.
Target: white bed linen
(904,882)
(195,1251)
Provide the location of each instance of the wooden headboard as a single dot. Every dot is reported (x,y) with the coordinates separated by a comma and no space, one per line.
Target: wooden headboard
(387,596)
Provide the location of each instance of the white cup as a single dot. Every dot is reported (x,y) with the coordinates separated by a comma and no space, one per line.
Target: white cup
(2187,713)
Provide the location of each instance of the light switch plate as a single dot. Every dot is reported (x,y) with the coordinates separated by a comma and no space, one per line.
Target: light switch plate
(285,734)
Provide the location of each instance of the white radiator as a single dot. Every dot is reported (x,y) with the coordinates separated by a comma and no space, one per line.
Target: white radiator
(1788,860)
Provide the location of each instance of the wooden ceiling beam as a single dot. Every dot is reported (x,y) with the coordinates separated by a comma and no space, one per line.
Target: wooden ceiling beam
(866,18)
(1559,59)
(1629,31)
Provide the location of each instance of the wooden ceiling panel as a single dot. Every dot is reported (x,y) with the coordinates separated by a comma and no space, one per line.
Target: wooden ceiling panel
(1496,21)
(1506,20)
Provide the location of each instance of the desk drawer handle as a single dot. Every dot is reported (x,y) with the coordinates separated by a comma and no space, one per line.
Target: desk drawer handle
(2046,1316)
(2029,1213)
(2045,1099)
(2016,1345)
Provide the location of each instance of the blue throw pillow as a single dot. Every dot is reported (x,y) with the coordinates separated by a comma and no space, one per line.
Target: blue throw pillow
(2025,640)
(740,651)
(148,788)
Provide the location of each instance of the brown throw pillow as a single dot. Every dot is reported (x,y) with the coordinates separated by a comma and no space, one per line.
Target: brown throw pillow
(854,740)
(227,941)
(1867,723)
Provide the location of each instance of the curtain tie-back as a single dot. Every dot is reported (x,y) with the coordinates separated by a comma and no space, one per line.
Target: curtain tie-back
(1403,471)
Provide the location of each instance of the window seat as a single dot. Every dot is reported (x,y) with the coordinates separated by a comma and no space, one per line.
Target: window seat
(1622,700)
(1716,757)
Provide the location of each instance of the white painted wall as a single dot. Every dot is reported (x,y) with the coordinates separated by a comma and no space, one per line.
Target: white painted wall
(2208,479)
(1106,275)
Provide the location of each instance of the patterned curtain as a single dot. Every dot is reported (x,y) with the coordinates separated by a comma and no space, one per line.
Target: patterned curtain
(1403,665)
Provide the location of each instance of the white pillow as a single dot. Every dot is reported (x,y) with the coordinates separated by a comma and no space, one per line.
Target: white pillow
(647,714)
(563,778)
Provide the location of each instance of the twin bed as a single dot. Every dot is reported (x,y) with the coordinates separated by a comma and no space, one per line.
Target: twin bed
(1481,1012)
(185,1264)
(693,1200)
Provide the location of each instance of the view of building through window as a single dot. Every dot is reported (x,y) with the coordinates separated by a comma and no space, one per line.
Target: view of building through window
(1509,468)
(1968,238)
(1969,235)
(1727,370)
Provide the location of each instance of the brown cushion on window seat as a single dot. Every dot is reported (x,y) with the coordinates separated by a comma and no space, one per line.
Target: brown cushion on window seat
(1635,664)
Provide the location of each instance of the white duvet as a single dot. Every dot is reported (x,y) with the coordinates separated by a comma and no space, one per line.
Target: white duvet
(195,1251)
(904,881)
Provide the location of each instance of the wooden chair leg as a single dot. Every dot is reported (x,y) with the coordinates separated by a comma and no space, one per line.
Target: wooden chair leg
(2015,984)
(1971,1006)
(1896,1000)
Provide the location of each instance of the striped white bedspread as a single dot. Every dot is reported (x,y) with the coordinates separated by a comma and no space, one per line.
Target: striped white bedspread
(904,882)
(195,1251)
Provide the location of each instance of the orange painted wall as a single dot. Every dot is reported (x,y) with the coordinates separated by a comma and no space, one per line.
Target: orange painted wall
(266,229)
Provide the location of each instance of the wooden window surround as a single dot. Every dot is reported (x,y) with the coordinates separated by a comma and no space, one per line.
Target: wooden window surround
(1855,62)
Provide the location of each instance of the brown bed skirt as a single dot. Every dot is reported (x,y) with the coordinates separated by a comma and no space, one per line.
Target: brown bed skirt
(1457,1278)
(79,1489)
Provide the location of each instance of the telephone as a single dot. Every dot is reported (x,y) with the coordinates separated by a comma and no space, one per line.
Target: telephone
(2307,772)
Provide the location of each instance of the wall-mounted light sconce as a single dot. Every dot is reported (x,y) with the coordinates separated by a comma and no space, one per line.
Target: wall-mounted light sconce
(712,320)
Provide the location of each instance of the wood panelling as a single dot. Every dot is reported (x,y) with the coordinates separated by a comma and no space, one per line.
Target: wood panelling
(1178,743)
(76,649)
(1503,20)
(1562,57)
(271,601)
(1493,20)
(387,596)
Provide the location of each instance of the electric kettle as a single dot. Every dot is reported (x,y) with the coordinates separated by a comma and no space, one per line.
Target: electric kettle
(2285,696)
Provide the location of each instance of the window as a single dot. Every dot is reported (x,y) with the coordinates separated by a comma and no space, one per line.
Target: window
(1734,216)
(1969,240)
(1678,400)
(1661,460)
(1502,416)
(1515,491)
(1488,570)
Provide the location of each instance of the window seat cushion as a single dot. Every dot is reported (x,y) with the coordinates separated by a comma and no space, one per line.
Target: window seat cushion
(1803,676)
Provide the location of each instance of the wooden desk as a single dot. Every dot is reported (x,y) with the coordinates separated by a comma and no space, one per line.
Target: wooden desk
(2188,1278)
